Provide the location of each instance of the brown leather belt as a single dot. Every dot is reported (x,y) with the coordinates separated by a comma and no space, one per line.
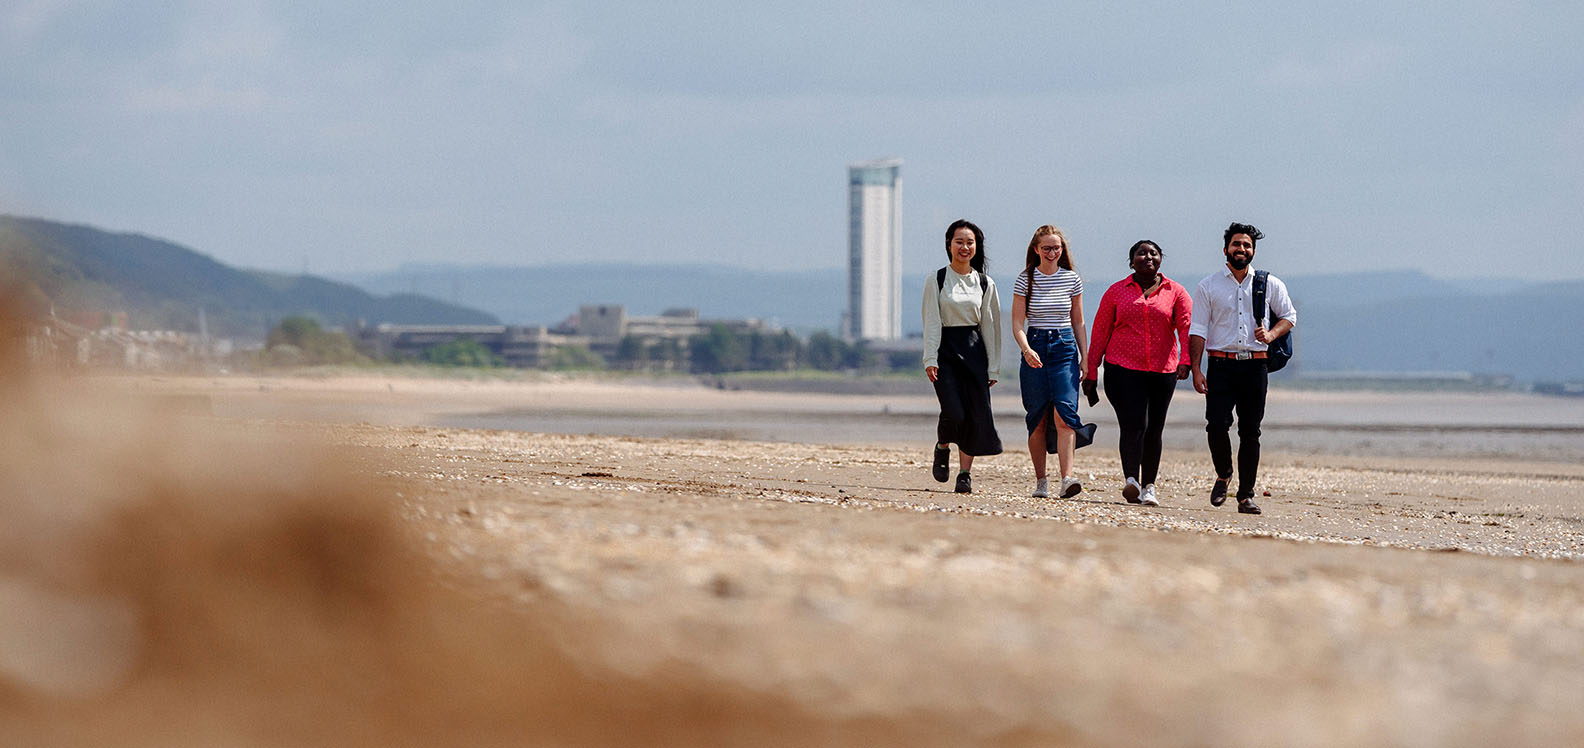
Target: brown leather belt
(1237,355)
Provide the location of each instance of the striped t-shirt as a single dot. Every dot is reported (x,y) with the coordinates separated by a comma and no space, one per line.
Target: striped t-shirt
(1051,306)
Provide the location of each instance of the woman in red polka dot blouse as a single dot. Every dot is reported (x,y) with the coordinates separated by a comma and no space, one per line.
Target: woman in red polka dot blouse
(1141,334)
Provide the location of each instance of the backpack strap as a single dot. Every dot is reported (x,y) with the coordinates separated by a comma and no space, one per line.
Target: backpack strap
(984,286)
(1260,310)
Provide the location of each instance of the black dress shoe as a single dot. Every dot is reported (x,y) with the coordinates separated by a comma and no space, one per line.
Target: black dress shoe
(1247,506)
(1218,493)
(942,469)
(964,483)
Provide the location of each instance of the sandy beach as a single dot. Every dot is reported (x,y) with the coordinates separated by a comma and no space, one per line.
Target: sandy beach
(815,586)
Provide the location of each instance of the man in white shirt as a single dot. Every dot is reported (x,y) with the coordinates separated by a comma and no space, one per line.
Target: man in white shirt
(1227,327)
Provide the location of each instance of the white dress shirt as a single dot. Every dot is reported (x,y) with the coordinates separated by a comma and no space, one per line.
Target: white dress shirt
(1223,310)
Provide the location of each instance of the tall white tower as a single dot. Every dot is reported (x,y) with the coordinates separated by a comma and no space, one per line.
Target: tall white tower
(874,273)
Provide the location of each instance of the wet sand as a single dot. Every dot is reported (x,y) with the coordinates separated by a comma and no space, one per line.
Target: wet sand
(1382,599)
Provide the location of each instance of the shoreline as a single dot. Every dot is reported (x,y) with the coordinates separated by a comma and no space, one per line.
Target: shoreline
(1450,427)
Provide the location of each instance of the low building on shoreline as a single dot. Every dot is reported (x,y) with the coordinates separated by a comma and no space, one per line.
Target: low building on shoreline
(599,328)
(522,346)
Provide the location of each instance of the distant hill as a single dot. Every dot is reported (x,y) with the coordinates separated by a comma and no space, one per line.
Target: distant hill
(1529,333)
(86,273)
(1384,321)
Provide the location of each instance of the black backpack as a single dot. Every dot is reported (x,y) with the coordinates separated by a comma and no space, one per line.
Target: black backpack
(1279,351)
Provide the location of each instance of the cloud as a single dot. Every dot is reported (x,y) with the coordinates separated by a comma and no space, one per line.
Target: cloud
(1349,64)
(22,23)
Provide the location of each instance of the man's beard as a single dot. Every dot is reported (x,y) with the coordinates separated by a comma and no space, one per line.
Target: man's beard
(1238,262)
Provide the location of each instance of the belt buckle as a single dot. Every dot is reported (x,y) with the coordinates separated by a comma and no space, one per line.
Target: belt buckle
(1243,355)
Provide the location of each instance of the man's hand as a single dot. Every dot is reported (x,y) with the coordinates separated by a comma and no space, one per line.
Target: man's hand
(1199,382)
(1261,335)
(933,372)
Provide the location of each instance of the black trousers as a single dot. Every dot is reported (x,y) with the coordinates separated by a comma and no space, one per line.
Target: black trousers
(1235,386)
(1140,399)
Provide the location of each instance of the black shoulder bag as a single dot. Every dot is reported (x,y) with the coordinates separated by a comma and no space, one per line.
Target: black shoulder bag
(1279,351)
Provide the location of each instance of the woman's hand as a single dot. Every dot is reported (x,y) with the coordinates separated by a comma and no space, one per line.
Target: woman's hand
(1032,358)
(932,372)
(1182,372)
(992,382)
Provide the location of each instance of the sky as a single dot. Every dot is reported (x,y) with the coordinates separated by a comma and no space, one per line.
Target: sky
(356,136)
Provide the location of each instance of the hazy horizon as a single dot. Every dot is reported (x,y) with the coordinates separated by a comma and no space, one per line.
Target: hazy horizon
(333,139)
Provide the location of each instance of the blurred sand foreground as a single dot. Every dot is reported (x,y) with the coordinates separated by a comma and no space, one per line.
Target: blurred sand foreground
(302,562)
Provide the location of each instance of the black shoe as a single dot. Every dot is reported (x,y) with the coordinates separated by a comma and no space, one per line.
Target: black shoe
(942,469)
(1218,492)
(1247,506)
(964,483)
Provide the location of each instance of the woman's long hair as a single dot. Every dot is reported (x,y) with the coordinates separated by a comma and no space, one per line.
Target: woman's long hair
(978,261)
(1031,260)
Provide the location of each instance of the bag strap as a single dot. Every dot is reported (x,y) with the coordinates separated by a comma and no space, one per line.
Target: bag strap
(984,287)
(1260,310)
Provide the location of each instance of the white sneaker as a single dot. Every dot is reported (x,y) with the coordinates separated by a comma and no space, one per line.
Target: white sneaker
(1070,487)
(1130,491)
(1041,489)
(1148,497)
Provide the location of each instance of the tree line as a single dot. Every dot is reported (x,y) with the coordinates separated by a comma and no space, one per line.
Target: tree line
(720,350)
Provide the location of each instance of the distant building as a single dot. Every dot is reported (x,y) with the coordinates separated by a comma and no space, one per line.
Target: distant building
(60,342)
(597,327)
(523,346)
(606,325)
(874,271)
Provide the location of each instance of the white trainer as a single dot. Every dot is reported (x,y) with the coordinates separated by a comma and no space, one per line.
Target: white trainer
(1041,489)
(1070,487)
(1147,498)
(1130,491)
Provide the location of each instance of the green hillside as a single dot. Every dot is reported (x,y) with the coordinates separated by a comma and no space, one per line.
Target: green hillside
(90,276)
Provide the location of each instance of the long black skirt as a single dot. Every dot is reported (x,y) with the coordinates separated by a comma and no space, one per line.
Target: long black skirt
(962,385)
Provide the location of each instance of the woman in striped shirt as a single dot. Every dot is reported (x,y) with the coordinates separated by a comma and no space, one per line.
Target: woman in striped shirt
(1141,332)
(1048,297)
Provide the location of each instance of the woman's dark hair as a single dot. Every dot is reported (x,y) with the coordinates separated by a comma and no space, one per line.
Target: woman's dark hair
(978,261)
(1145,243)
(1254,234)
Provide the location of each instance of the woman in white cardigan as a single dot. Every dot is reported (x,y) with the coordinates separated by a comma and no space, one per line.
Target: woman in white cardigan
(962,352)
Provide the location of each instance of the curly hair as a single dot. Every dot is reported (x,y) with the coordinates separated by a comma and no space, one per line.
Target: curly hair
(1254,234)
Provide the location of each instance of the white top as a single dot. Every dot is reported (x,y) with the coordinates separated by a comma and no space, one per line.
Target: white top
(1053,295)
(958,303)
(1223,310)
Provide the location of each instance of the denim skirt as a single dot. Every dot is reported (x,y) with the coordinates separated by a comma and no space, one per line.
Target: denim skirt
(1053,388)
